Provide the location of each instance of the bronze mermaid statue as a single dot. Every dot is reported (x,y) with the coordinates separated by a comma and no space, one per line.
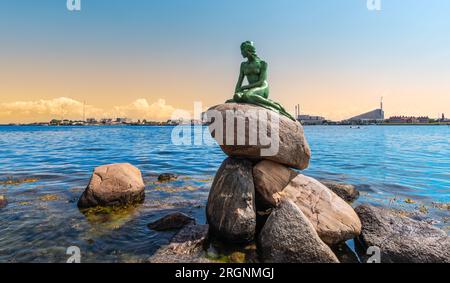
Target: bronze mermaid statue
(257,90)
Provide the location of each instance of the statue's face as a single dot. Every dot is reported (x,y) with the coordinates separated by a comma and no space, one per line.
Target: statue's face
(244,53)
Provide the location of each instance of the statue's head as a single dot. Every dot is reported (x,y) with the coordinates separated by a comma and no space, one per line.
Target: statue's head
(248,49)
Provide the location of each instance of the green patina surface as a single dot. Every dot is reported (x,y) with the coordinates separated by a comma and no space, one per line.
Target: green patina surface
(257,90)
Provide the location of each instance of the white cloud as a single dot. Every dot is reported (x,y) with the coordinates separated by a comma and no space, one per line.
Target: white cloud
(140,108)
(73,109)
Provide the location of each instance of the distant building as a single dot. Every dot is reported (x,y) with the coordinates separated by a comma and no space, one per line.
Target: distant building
(123,121)
(106,121)
(443,119)
(374,116)
(423,120)
(408,120)
(310,120)
(91,121)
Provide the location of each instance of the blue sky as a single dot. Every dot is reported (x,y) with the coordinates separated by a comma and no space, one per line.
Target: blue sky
(334,57)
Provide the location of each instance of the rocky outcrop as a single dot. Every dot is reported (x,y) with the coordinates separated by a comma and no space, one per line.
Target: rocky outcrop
(334,220)
(270,178)
(231,203)
(3,201)
(253,132)
(259,195)
(289,237)
(172,221)
(401,239)
(113,185)
(187,246)
(345,191)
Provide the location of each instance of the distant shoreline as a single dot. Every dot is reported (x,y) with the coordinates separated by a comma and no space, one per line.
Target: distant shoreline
(173,125)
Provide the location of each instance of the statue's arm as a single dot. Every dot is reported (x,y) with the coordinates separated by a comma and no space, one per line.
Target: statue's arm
(240,80)
(262,77)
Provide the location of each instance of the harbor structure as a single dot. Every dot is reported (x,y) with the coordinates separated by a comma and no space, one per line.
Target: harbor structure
(308,119)
(372,117)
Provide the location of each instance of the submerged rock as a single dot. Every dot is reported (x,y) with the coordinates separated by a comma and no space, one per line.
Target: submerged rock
(231,203)
(282,140)
(401,239)
(3,201)
(187,246)
(172,221)
(113,185)
(271,178)
(108,218)
(334,220)
(167,177)
(289,237)
(345,191)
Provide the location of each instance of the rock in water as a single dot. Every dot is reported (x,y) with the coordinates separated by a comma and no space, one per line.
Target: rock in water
(271,178)
(254,132)
(187,246)
(345,191)
(289,237)
(172,221)
(334,220)
(167,177)
(113,185)
(231,203)
(3,201)
(401,239)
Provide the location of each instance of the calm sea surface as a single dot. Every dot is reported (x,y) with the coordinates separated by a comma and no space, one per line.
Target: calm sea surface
(43,171)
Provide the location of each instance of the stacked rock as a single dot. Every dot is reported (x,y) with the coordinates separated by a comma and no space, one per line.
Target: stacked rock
(258,196)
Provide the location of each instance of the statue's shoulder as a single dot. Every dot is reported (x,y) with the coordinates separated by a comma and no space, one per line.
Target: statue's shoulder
(264,64)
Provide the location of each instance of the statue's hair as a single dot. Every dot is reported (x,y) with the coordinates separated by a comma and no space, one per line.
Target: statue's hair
(249,47)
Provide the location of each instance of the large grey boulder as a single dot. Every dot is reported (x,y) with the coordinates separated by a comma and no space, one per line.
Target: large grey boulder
(254,132)
(334,220)
(113,185)
(270,178)
(289,237)
(231,203)
(402,239)
(187,246)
